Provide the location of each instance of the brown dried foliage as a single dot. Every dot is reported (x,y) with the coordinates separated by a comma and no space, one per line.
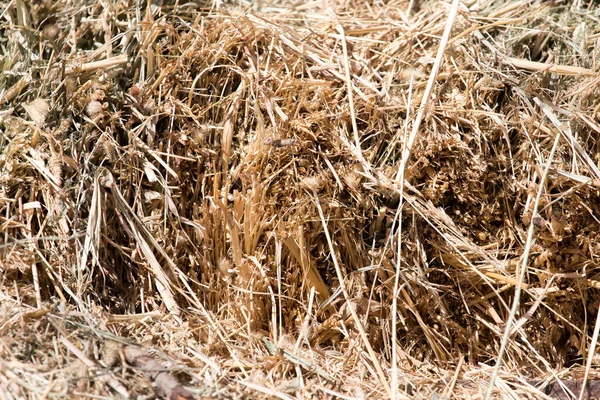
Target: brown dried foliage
(188,176)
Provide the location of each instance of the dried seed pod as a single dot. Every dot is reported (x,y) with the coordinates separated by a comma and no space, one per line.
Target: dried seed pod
(38,111)
(94,108)
(55,164)
(280,142)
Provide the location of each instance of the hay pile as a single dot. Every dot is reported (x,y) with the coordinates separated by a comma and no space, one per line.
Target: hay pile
(321,199)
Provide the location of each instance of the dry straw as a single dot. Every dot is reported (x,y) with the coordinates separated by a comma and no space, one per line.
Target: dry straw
(292,200)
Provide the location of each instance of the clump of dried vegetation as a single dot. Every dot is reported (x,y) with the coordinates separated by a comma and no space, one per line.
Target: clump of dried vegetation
(312,199)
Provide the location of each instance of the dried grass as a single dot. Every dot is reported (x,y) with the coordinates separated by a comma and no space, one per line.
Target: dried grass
(290,200)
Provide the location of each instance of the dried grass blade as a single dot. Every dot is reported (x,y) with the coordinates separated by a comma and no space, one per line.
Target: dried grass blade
(525,257)
(590,355)
(115,384)
(92,234)
(307,364)
(143,237)
(553,68)
(228,128)
(94,65)
(311,274)
(349,90)
(357,322)
(427,94)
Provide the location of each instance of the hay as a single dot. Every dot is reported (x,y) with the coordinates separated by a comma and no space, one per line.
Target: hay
(328,199)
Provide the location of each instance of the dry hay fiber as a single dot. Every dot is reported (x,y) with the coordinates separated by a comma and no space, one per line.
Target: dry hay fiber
(176,159)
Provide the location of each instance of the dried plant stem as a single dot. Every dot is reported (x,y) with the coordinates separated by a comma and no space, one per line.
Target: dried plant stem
(115,384)
(357,321)
(398,220)
(472,29)
(94,65)
(350,91)
(590,355)
(428,90)
(524,265)
(553,68)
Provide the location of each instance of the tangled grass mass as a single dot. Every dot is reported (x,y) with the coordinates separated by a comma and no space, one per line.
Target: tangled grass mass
(320,199)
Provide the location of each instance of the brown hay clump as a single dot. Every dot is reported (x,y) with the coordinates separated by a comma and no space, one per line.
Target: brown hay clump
(289,200)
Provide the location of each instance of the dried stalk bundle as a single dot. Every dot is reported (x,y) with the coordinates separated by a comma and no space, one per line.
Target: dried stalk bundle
(322,199)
